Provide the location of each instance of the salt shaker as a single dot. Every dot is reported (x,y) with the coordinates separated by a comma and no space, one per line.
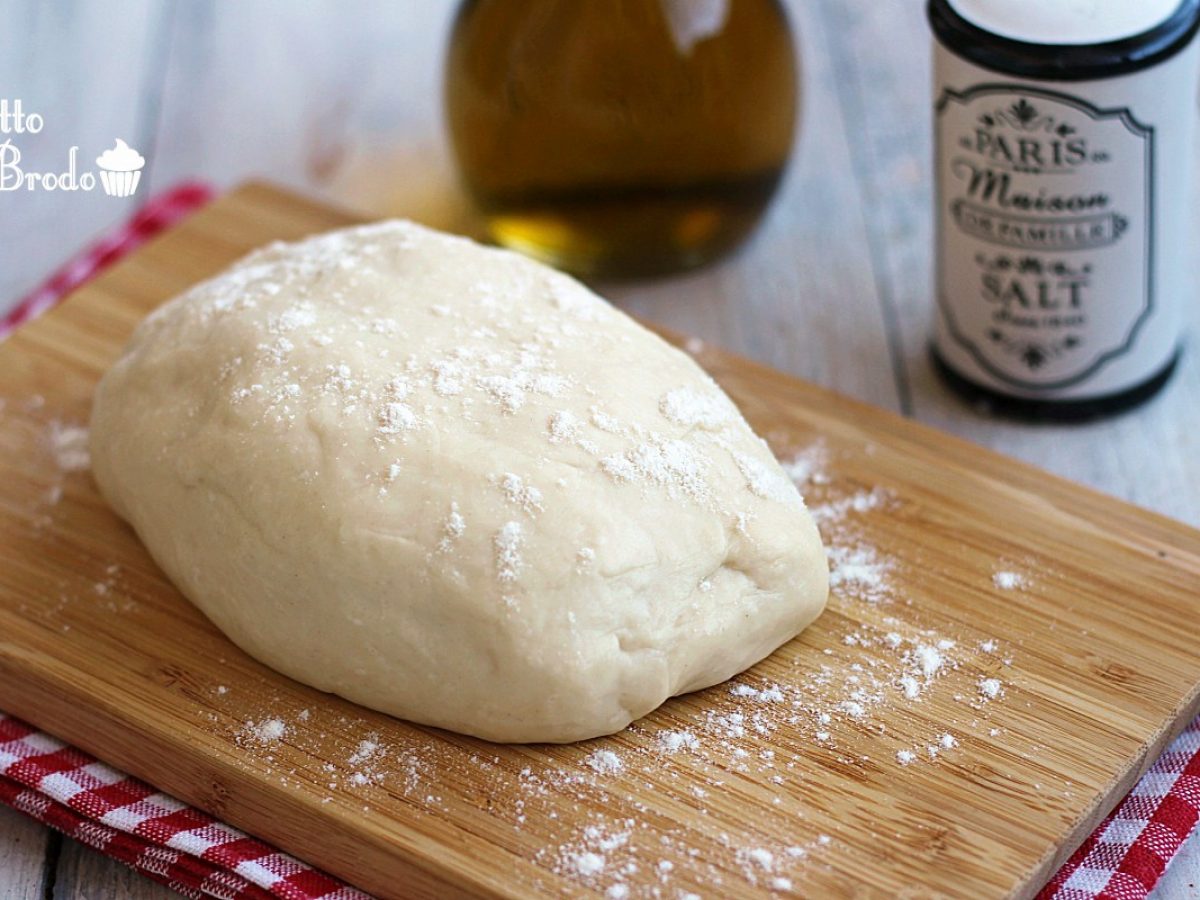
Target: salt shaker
(1063,154)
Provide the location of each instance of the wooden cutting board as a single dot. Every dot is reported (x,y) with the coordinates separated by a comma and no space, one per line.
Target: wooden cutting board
(944,727)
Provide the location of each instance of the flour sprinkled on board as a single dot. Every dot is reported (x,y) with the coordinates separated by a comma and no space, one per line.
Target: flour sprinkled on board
(587,863)
(1009,581)
(929,659)
(266,731)
(990,688)
(755,862)
(604,762)
(675,741)
(808,465)
(366,750)
(860,572)
(69,445)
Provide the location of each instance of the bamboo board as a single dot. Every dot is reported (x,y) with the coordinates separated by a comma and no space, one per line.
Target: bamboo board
(817,776)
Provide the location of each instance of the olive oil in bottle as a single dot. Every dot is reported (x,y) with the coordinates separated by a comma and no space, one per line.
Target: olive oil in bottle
(621,137)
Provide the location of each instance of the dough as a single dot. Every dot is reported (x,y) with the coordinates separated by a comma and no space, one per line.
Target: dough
(449,483)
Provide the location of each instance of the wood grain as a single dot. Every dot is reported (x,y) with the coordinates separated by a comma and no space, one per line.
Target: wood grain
(22,856)
(359,122)
(83,874)
(116,662)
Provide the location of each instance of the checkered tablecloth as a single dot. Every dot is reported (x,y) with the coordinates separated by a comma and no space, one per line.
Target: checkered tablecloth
(133,823)
(195,854)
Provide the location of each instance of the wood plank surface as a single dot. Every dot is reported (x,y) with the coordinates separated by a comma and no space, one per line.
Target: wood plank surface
(96,647)
(22,852)
(85,874)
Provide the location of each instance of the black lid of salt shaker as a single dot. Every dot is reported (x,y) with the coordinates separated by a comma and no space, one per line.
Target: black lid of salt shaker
(1064,62)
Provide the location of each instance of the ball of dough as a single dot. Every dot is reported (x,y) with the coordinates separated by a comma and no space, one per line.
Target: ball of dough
(449,483)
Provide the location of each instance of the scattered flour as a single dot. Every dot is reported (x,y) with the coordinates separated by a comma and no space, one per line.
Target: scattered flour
(604,762)
(766,482)
(767,695)
(563,427)
(507,544)
(876,663)
(605,422)
(705,409)
(588,864)
(853,708)
(929,659)
(675,465)
(396,417)
(990,688)
(1009,581)
(520,493)
(365,751)
(452,529)
(268,731)
(69,445)
(809,465)
(860,572)
(674,741)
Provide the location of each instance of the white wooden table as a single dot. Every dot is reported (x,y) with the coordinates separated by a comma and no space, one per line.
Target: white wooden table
(343,100)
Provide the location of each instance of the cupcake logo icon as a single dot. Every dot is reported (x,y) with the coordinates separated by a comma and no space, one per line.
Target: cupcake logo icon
(120,169)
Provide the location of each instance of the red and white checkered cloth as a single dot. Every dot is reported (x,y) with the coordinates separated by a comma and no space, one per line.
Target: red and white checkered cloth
(1124,858)
(157,835)
(200,857)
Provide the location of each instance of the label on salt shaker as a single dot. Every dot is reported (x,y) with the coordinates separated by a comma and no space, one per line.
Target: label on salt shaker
(1061,234)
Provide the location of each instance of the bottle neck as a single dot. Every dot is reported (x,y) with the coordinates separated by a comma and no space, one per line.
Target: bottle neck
(1064,62)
